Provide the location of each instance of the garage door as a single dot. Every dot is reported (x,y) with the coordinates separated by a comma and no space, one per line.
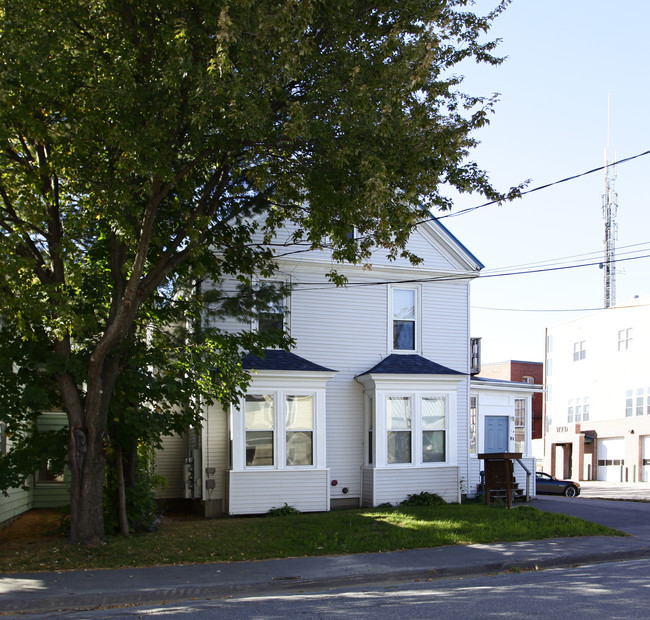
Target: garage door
(611,452)
(645,455)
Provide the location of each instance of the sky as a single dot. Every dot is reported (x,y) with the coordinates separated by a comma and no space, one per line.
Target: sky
(568,62)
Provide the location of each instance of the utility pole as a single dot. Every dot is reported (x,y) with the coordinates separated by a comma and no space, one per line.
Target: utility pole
(610,207)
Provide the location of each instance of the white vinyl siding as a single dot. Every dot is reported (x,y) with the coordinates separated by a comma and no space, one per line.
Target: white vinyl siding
(256,492)
(169,464)
(56,493)
(215,453)
(394,484)
(349,330)
(18,500)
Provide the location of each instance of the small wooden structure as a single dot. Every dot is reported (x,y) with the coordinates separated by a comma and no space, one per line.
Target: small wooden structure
(500,484)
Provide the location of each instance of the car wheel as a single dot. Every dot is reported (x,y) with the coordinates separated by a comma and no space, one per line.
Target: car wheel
(570,491)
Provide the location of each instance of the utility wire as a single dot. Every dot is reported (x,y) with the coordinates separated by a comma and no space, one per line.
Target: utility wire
(315,286)
(537,189)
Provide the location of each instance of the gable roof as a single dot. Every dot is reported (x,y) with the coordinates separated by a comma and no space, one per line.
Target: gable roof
(461,246)
(409,365)
(274,359)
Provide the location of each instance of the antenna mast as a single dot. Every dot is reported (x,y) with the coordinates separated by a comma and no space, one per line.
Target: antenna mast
(610,207)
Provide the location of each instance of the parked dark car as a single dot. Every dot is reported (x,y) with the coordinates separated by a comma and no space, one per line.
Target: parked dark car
(549,485)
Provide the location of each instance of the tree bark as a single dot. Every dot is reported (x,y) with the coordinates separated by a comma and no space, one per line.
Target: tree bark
(87,464)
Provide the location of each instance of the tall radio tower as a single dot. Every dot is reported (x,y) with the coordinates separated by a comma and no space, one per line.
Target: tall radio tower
(610,207)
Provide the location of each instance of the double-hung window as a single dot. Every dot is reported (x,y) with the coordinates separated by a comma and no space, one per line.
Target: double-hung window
(404,309)
(434,429)
(260,424)
(473,411)
(299,427)
(398,425)
(520,425)
(279,429)
(579,351)
(624,339)
(416,429)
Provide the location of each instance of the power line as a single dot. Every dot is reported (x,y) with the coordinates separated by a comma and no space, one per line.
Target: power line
(453,277)
(536,189)
(557,309)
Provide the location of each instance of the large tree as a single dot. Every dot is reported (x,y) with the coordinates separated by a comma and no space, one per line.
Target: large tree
(146,144)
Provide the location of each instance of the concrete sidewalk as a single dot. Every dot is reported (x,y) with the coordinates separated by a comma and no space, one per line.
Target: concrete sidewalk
(100,588)
(86,589)
(630,491)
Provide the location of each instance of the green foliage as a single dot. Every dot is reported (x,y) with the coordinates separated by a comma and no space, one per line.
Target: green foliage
(283,511)
(424,498)
(147,149)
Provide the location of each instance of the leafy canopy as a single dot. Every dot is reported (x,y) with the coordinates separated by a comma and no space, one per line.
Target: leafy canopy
(149,145)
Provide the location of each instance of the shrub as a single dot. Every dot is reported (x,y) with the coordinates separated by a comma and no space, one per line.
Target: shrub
(284,511)
(423,498)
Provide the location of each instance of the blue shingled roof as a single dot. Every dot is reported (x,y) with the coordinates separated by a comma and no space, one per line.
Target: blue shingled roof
(274,359)
(410,365)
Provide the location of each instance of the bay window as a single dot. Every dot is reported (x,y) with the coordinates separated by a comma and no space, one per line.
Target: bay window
(277,429)
(412,430)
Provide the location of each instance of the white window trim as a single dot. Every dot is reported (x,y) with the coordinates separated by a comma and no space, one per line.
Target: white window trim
(418,319)
(286,302)
(299,387)
(380,434)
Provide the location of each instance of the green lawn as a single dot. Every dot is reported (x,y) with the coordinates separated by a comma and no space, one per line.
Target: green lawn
(336,532)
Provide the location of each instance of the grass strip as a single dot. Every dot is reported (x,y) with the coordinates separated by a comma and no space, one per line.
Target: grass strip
(329,533)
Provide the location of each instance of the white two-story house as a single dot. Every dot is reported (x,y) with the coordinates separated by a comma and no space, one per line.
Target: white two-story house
(372,404)
(375,402)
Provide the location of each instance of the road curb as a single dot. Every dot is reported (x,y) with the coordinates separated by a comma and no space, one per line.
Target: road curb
(292,584)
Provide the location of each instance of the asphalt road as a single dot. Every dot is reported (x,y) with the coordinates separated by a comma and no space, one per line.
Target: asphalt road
(632,517)
(609,590)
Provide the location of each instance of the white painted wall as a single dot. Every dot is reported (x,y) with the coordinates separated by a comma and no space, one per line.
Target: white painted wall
(604,377)
(347,329)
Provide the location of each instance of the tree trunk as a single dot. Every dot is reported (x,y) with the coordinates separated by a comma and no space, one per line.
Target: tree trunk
(87,463)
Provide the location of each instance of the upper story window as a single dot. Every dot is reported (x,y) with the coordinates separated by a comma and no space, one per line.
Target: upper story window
(624,339)
(527,379)
(629,403)
(404,310)
(639,401)
(272,318)
(579,351)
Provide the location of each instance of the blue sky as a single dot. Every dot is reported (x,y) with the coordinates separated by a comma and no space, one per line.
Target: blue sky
(565,58)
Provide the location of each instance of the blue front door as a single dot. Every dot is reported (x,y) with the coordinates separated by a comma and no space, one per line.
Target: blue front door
(496,433)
